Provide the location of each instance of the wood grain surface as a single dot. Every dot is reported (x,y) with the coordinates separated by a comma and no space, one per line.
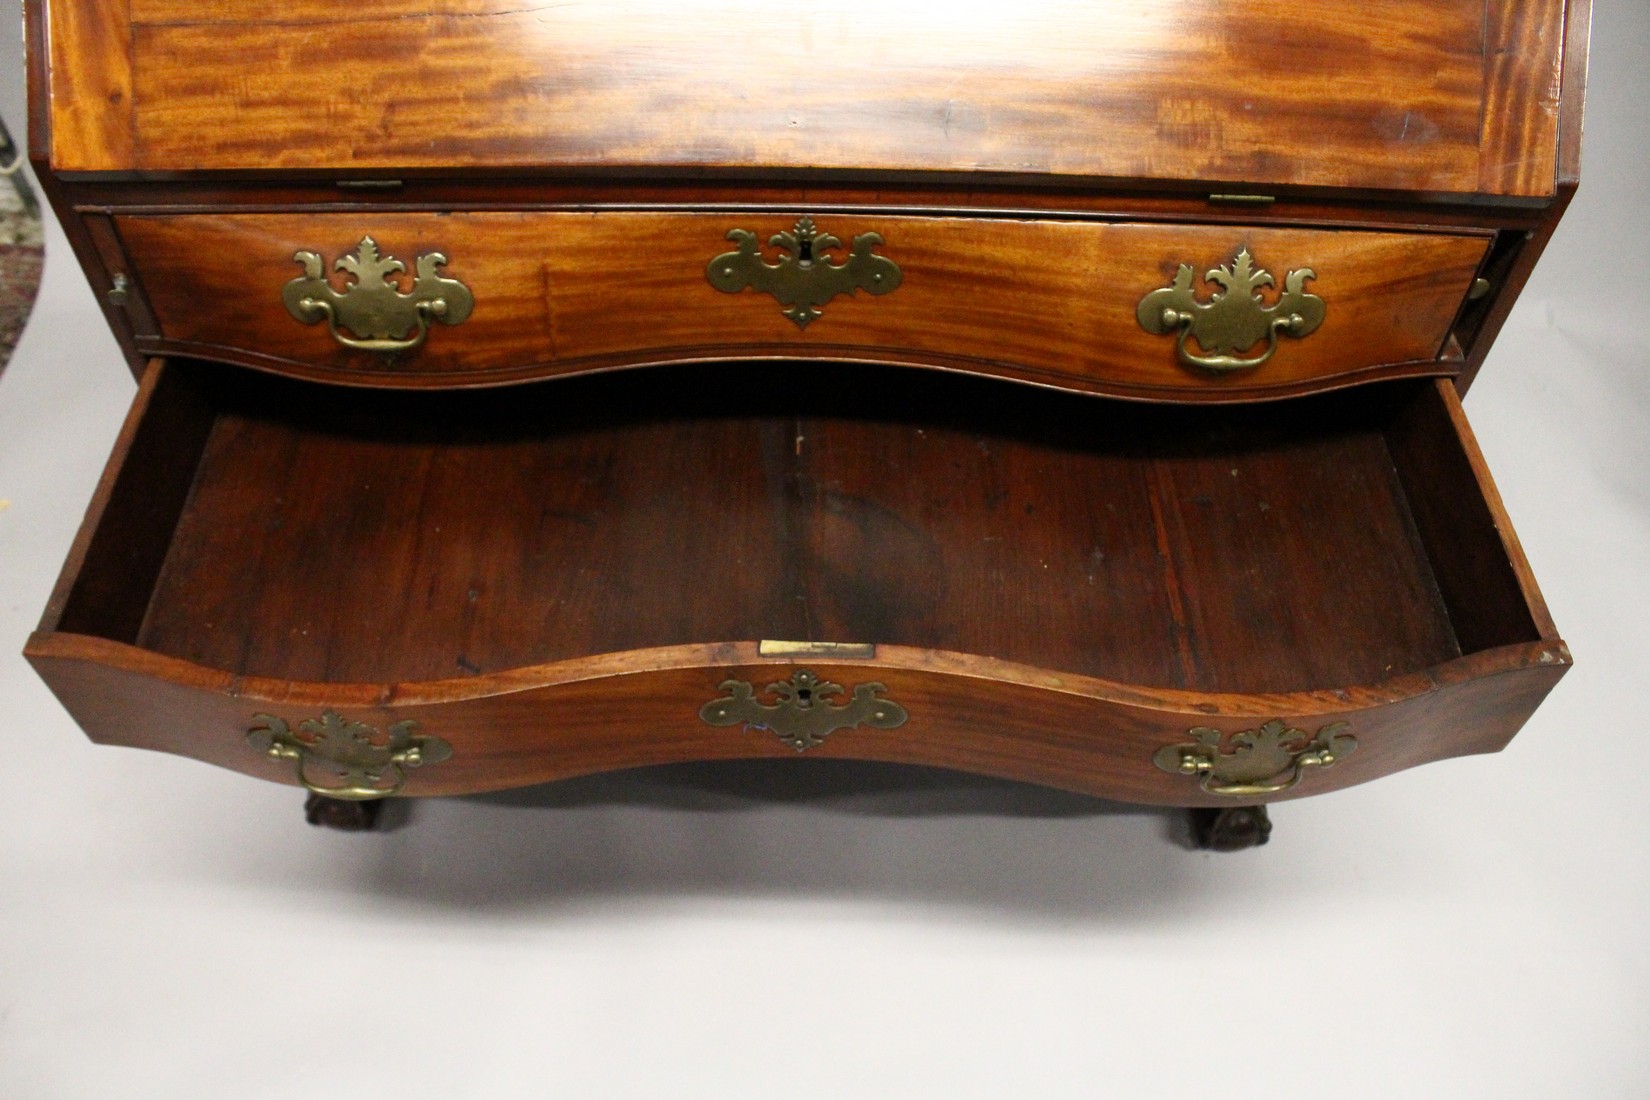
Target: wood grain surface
(559,576)
(89,47)
(555,577)
(422,536)
(558,292)
(989,718)
(1409,95)
(1523,81)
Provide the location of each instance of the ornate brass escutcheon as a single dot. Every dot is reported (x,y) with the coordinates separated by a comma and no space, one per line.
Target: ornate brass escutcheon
(348,750)
(373,309)
(1234,319)
(804,714)
(803,279)
(1262,761)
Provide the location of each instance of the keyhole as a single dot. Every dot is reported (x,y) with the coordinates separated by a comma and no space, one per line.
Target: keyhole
(805,697)
(805,252)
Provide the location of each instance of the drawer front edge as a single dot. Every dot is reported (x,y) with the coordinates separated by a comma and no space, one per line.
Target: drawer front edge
(655,707)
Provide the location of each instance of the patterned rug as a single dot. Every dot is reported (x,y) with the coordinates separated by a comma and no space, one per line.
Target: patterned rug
(21,260)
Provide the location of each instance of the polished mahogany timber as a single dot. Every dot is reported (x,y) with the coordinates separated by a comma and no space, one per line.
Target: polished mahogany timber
(1052,589)
(1067,393)
(1414,95)
(1037,300)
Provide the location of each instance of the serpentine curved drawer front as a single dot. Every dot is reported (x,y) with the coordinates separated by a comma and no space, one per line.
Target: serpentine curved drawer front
(599,560)
(1137,309)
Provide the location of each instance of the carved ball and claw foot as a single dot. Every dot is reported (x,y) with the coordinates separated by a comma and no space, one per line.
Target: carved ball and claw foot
(336,813)
(1230,828)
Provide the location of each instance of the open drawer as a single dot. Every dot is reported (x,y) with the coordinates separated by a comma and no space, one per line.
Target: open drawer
(445,592)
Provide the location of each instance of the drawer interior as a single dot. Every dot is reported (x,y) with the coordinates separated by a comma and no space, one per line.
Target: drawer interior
(272,527)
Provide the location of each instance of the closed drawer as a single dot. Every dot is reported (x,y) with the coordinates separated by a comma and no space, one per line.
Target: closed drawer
(1166,605)
(1050,301)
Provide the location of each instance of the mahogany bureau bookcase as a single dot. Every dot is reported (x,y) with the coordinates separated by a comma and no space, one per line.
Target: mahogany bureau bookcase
(1063,392)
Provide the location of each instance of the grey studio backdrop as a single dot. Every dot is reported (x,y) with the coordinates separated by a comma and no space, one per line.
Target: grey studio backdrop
(1470,929)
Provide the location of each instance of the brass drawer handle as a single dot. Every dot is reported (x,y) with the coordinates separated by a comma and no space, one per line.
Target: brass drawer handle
(1233,320)
(804,714)
(1263,761)
(381,318)
(803,279)
(349,750)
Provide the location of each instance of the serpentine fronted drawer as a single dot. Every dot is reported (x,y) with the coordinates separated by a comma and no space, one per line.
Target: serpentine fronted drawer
(1057,302)
(598,561)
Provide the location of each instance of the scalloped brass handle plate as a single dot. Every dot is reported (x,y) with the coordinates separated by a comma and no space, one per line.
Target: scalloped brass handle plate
(803,278)
(362,763)
(1234,319)
(1255,762)
(803,714)
(372,313)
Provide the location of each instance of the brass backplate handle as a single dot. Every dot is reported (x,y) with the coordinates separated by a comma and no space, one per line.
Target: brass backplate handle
(366,764)
(803,713)
(373,313)
(1264,761)
(422,312)
(803,278)
(1234,319)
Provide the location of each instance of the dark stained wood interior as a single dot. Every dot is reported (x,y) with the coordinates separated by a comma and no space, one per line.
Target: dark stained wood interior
(1463,523)
(140,504)
(357,536)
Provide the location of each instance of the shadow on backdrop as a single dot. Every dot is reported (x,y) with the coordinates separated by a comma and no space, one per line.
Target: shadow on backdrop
(826,830)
